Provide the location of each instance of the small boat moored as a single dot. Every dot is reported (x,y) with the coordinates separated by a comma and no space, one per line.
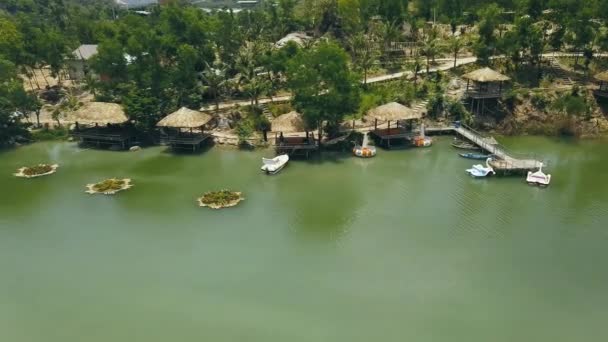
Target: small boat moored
(539,177)
(274,165)
(479,170)
(477,156)
(464,145)
(364,151)
(421,141)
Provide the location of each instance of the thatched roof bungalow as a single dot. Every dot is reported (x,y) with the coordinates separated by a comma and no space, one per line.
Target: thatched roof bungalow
(107,125)
(393,111)
(485,75)
(192,121)
(291,122)
(401,116)
(300,142)
(100,113)
(487,83)
(185,118)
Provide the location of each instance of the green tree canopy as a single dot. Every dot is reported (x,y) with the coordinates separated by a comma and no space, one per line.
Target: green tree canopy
(324,87)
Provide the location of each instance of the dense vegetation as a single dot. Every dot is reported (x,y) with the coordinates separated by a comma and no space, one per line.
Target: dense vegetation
(179,55)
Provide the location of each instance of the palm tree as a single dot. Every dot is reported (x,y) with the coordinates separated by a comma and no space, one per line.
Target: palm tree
(248,71)
(456,44)
(415,65)
(364,54)
(387,33)
(430,48)
(214,79)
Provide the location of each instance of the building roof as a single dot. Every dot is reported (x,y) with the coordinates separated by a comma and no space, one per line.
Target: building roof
(185,118)
(85,51)
(298,37)
(289,123)
(485,75)
(602,76)
(135,3)
(393,111)
(100,113)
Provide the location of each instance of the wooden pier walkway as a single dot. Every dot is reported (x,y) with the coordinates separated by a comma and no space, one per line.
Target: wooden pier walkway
(505,162)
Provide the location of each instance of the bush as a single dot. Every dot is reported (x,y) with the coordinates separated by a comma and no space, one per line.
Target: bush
(279,109)
(47,134)
(539,101)
(456,109)
(244,130)
(368,101)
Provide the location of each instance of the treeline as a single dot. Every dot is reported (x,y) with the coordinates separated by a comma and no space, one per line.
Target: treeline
(179,55)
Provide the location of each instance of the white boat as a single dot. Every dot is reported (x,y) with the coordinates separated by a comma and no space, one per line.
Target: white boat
(481,170)
(274,165)
(538,177)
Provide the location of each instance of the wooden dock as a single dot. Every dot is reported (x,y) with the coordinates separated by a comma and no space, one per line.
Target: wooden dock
(505,162)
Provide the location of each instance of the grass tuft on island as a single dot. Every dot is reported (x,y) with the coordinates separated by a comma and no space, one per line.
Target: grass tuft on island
(109,186)
(220,199)
(37,170)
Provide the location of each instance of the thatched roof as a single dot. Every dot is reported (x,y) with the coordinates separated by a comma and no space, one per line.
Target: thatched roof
(100,113)
(185,118)
(602,76)
(289,123)
(393,111)
(485,75)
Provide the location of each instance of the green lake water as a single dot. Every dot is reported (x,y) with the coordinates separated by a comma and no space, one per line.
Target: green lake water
(402,247)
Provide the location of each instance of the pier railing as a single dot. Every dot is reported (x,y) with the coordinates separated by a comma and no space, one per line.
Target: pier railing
(482,140)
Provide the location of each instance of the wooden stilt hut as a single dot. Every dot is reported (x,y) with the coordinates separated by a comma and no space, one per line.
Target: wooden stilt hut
(393,122)
(184,129)
(103,124)
(484,87)
(602,82)
(292,135)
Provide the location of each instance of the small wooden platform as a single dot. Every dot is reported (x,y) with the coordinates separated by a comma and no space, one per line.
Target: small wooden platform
(296,145)
(105,136)
(386,135)
(186,141)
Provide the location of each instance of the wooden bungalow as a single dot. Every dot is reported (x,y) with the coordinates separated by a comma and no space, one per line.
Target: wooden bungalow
(103,124)
(292,136)
(184,129)
(484,85)
(602,82)
(393,122)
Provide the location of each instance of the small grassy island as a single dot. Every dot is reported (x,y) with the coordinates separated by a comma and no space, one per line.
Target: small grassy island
(220,199)
(37,170)
(109,186)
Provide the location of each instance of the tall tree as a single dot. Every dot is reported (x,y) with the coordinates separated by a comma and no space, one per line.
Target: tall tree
(324,87)
(214,79)
(430,48)
(456,45)
(364,54)
(487,43)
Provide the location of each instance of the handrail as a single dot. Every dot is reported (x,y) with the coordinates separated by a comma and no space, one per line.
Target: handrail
(498,149)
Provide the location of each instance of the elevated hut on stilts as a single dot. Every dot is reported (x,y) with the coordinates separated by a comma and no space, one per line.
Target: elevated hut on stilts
(103,124)
(484,87)
(184,129)
(393,123)
(292,135)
